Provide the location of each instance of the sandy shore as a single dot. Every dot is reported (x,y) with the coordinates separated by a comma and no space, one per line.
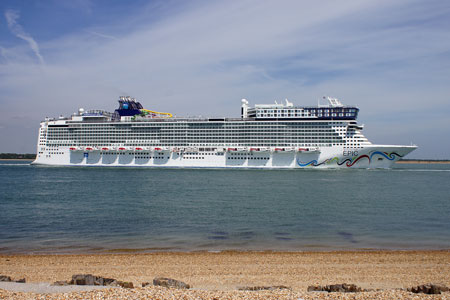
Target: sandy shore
(219,275)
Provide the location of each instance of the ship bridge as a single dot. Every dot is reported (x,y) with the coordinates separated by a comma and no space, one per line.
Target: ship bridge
(334,110)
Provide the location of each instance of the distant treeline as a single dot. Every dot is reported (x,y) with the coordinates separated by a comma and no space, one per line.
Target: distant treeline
(431,160)
(17,156)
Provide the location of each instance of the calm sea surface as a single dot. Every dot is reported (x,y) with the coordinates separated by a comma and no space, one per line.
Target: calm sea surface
(70,209)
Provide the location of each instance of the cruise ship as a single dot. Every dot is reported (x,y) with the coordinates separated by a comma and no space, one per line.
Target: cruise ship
(278,135)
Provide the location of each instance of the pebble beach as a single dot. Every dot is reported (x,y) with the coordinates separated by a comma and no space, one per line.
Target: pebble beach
(223,275)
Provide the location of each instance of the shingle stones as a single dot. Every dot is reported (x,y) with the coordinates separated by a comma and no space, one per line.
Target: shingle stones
(5,278)
(335,288)
(170,283)
(89,279)
(429,288)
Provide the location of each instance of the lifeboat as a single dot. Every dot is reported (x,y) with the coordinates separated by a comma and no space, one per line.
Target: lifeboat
(89,148)
(309,150)
(138,148)
(73,149)
(160,149)
(279,149)
(255,149)
(239,149)
(122,148)
(105,149)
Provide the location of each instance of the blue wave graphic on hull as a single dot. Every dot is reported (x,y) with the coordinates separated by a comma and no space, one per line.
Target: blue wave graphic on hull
(390,156)
(350,161)
(313,163)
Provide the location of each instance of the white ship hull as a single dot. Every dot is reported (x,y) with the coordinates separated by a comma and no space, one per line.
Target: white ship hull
(373,156)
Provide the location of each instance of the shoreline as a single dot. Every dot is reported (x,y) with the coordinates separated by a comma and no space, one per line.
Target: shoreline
(17,159)
(138,252)
(168,251)
(433,162)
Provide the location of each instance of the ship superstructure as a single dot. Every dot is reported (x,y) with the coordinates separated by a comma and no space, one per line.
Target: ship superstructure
(278,135)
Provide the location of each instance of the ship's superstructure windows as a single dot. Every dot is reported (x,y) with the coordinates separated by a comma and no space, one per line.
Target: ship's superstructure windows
(276,125)
(205,134)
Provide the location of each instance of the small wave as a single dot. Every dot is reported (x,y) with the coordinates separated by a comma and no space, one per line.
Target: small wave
(13,164)
(218,237)
(419,170)
(283,238)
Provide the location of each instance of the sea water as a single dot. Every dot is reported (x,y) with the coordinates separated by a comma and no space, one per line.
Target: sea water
(101,209)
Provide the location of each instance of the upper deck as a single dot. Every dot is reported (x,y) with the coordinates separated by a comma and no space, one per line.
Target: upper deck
(334,110)
(131,111)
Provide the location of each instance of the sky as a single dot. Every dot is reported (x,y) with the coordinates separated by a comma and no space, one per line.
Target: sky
(391,58)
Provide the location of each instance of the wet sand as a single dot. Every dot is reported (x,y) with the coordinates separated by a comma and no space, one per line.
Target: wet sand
(220,275)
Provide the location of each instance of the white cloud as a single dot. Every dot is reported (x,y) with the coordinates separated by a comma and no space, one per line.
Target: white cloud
(106,36)
(11,19)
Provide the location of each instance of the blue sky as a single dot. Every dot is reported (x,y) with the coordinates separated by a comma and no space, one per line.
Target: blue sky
(390,58)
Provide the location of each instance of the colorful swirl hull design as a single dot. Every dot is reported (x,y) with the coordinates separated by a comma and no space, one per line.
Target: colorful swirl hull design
(349,162)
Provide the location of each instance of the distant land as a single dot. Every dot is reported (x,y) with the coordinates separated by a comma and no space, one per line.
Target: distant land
(17,156)
(423,161)
(31,156)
